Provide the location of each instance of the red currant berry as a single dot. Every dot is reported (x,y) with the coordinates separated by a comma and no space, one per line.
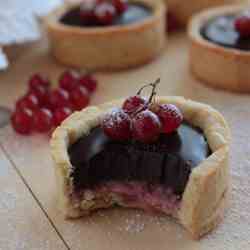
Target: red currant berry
(43,120)
(172,22)
(120,5)
(117,125)
(105,13)
(87,8)
(60,114)
(133,104)
(29,101)
(242,25)
(79,98)
(170,116)
(38,80)
(59,98)
(89,82)
(22,121)
(68,80)
(41,93)
(146,126)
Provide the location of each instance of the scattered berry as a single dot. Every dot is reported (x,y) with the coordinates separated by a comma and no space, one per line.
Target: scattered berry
(43,120)
(120,5)
(146,126)
(117,124)
(41,93)
(22,121)
(59,98)
(172,22)
(242,24)
(34,110)
(38,80)
(133,104)
(68,80)
(29,101)
(170,116)
(105,13)
(60,114)
(79,98)
(89,82)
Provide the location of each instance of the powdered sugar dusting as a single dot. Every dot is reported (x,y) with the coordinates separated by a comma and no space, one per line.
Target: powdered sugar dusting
(22,222)
(134,225)
(113,117)
(17,233)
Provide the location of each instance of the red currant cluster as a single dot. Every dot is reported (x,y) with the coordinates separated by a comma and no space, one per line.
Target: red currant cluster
(43,108)
(101,12)
(242,24)
(142,119)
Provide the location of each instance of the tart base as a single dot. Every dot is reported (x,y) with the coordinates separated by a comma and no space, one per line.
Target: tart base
(220,67)
(203,201)
(108,48)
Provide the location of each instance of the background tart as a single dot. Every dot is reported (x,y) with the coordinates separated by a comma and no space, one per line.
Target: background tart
(204,199)
(183,10)
(209,61)
(110,47)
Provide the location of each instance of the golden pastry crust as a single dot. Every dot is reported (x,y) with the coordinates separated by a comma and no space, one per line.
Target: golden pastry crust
(183,10)
(108,48)
(229,69)
(204,199)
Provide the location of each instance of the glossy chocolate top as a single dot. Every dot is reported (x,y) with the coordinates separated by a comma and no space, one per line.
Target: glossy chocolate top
(220,30)
(135,12)
(169,161)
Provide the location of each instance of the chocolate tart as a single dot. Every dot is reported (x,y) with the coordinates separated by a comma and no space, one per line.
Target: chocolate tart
(197,159)
(182,11)
(111,47)
(222,62)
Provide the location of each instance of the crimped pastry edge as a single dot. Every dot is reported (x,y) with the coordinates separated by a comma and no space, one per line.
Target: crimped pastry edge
(232,61)
(203,201)
(108,48)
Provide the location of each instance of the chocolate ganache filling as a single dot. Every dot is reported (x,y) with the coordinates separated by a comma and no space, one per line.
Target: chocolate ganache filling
(221,30)
(97,159)
(134,13)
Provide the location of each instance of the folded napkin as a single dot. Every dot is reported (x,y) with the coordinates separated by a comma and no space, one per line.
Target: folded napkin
(19,24)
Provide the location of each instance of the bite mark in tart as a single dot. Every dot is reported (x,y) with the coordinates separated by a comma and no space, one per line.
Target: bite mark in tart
(111,40)
(182,171)
(219,52)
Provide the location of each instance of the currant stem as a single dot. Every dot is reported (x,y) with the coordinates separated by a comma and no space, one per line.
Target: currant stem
(142,88)
(153,94)
(154,85)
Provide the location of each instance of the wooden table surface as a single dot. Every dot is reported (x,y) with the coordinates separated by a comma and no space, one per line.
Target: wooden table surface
(29,216)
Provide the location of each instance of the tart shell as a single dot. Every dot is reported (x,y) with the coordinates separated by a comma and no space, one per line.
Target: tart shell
(205,197)
(108,48)
(218,66)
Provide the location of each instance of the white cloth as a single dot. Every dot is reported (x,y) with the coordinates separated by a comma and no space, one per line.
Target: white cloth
(18,22)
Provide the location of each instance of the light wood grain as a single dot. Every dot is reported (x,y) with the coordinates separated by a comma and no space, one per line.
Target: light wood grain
(114,229)
(23,224)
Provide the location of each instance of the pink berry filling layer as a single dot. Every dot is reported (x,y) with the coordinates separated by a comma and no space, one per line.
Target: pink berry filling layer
(150,198)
